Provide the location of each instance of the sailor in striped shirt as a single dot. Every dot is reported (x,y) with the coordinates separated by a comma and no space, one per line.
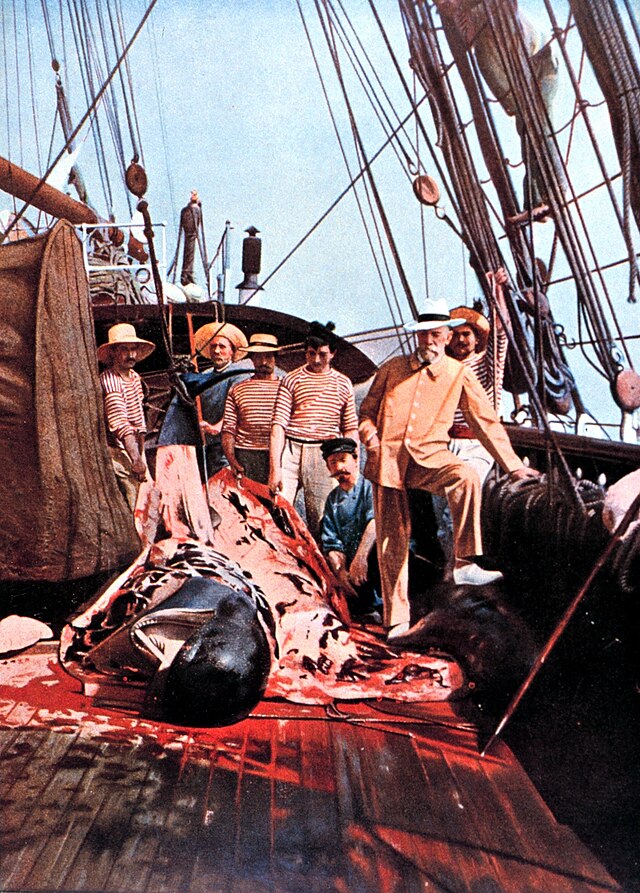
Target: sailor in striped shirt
(246,427)
(483,348)
(123,395)
(314,403)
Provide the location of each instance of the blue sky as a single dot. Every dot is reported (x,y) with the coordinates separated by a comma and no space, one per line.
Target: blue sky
(246,124)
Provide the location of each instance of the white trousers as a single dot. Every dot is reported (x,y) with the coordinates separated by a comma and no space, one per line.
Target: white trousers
(304,468)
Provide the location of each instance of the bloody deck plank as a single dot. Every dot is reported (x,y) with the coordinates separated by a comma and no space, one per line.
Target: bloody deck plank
(363,802)
(431,811)
(524,808)
(519,861)
(370,864)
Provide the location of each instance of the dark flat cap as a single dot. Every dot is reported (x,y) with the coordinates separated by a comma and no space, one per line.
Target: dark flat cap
(338,445)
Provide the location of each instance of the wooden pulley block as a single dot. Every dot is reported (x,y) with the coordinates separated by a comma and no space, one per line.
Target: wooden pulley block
(426,190)
(626,390)
(136,179)
(116,236)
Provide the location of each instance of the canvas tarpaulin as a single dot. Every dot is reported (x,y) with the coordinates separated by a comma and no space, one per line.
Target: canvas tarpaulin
(61,513)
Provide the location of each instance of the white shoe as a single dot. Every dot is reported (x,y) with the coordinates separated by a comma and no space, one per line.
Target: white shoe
(397,631)
(472,575)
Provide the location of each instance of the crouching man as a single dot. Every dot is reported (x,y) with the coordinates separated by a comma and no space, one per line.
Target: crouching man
(348,530)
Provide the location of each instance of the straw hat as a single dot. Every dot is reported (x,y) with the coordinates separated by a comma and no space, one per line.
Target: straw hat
(261,343)
(478,322)
(205,335)
(436,314)
(124,333)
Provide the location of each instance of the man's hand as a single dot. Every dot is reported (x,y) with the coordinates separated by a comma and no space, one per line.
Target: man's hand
(373,443)
(139,469)
(275,481)
(500,276)
(520,474)
(208,428)
(236,467)
(359,570)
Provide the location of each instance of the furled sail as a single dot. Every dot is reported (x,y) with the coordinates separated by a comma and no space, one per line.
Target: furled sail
(62,514)
(616,69)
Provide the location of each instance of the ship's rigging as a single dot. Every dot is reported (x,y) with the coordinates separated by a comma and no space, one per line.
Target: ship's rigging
(489,208)
(466,145)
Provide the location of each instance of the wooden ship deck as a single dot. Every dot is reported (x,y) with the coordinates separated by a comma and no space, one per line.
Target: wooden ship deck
(360,797)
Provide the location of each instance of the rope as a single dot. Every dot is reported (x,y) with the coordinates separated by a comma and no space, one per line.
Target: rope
(34,112)
(168,172)
(18,81)
(87,114)
(372,183)
(356,196)
(80,47)
(478,235)
(334,204)
(365,81)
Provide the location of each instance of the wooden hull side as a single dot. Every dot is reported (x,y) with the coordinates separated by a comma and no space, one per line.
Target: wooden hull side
(62,514)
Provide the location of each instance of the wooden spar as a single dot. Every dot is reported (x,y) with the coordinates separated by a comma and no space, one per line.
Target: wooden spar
(28,188)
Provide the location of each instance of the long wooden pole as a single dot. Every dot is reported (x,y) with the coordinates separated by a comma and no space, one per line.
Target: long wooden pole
(29,188)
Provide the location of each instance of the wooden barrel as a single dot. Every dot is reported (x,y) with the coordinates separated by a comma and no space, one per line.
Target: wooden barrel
(61,513)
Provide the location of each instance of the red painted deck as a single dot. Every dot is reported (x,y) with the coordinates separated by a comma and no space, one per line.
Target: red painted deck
(292,799)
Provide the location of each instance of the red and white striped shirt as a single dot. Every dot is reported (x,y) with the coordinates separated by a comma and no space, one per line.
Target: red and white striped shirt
(483,364)
(123,405)
(315,405)
(248,412)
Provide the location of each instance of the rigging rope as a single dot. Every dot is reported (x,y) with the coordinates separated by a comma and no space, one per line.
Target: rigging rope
(18,82)
(34,111)
(168,173)
(334,204)
(356,196)
(485,255)
(622,217)
(365,81)
(617,73)
(86,115)
(81,53)
(127,95)
(509,40)
(361,149)
(5,58)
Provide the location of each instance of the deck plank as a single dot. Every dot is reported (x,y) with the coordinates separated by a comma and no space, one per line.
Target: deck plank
(136,859)
(120,776)
(33,805)
(292,802)
(556,844)
(370,864)
(519,861)
(80,773)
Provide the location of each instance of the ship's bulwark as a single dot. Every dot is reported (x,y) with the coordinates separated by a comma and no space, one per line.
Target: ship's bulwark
(62,514)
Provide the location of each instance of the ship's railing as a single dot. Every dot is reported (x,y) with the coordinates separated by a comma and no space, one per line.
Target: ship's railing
(138,267)
(118,270)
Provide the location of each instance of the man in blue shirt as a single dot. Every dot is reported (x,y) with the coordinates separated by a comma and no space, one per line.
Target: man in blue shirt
(348,531)
(223,344)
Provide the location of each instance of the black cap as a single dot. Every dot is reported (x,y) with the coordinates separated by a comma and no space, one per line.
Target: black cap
(319,335)
(338,445)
